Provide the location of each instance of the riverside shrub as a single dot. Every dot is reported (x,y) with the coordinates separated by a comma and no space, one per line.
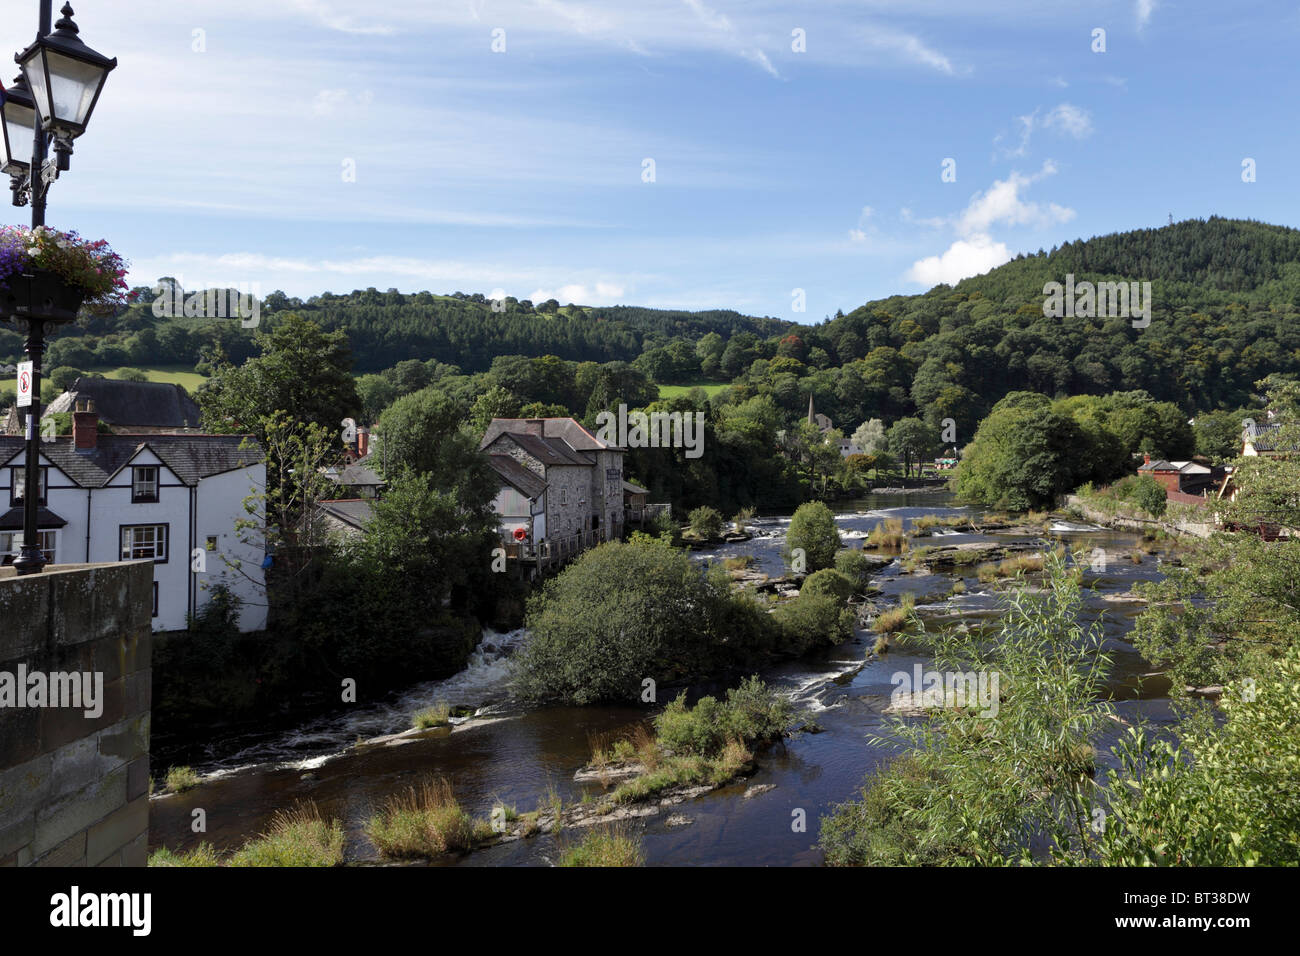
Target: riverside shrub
(628,611)
(814,532)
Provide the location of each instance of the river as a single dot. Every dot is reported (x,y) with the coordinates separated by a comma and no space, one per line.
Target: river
(514,754)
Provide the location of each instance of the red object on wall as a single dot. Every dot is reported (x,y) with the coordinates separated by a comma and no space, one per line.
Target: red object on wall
(520,534)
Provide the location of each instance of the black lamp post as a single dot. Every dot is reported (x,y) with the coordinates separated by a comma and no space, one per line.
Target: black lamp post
(60,85)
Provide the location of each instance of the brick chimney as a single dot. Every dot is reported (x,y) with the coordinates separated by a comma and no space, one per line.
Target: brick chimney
(1146,458)
(534,426)
(363,442)
(85,426)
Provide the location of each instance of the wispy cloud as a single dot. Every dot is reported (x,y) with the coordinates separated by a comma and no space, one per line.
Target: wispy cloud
(299,274)
(1064,119)
(1144,9)
(908,47)
(1069,120)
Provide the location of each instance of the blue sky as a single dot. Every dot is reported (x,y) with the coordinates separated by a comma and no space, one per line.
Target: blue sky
(521,172)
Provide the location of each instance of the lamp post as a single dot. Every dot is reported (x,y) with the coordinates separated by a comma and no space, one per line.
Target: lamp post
(53,98)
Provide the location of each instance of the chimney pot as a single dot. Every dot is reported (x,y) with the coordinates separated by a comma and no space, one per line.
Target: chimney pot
(363,442)
(1146,458)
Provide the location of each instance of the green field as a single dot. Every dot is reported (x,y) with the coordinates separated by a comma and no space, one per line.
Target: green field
(172,374)
(674,391)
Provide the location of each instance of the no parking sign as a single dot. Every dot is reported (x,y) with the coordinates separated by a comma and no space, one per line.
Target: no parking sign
(24,384)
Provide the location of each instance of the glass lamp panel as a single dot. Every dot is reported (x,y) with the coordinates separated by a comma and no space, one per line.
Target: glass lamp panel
(73,85)
(20,133)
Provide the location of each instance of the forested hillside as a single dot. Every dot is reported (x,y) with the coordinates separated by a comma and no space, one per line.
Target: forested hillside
(1226,313)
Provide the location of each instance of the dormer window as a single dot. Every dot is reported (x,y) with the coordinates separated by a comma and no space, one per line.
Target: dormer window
(144,484)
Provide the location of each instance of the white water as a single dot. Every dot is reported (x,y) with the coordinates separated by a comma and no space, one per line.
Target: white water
(483,681)
(1068,526)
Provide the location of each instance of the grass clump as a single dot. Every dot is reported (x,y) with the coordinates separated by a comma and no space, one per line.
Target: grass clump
(741,562)
(887,536)
(604,847)
(180,779)
(298,837)
(895,619)
(201,855)
(439,715)
(424,821)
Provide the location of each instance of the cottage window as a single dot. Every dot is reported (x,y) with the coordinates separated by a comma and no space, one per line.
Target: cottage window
(18,481)
(11,543)
(144,484)
(564,496)
(144,541)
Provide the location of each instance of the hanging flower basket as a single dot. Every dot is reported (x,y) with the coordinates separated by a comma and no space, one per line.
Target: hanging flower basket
(50,275)
(39,294)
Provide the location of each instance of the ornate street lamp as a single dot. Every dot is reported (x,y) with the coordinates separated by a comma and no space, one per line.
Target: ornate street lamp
(63,79)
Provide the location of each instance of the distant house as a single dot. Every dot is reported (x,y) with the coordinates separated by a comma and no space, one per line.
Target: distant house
(1264,441)
(345,517)
(137,408)
(357,480)
(1257,441)
(170,498)
(1185,481)
(561,487)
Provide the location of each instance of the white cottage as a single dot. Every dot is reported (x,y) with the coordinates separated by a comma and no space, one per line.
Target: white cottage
(172,498)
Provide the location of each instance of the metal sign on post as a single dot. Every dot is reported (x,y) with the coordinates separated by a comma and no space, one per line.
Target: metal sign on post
(24,384)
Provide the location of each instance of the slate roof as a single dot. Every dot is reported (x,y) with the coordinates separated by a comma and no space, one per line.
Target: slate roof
(566,429)
(549,451)
(124,404)
(1183,467)
(359,474)
(356,512)
(1265,437)
(632,489)
(192,457)
(517,476)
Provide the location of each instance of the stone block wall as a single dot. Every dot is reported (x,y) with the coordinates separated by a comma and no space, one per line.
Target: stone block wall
(74,789)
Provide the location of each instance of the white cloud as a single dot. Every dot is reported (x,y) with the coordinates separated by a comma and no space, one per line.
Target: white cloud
(859,233)
(309,276)
(602,293)
(1144,10)
(1002,204)
(327,102)
(344,23)
(964,258)
(1069,120)
(909,47)
(1064,119)
(975,251)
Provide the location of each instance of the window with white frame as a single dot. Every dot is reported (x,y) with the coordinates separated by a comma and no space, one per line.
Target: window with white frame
(11,544)
(144,541)
(144,484)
